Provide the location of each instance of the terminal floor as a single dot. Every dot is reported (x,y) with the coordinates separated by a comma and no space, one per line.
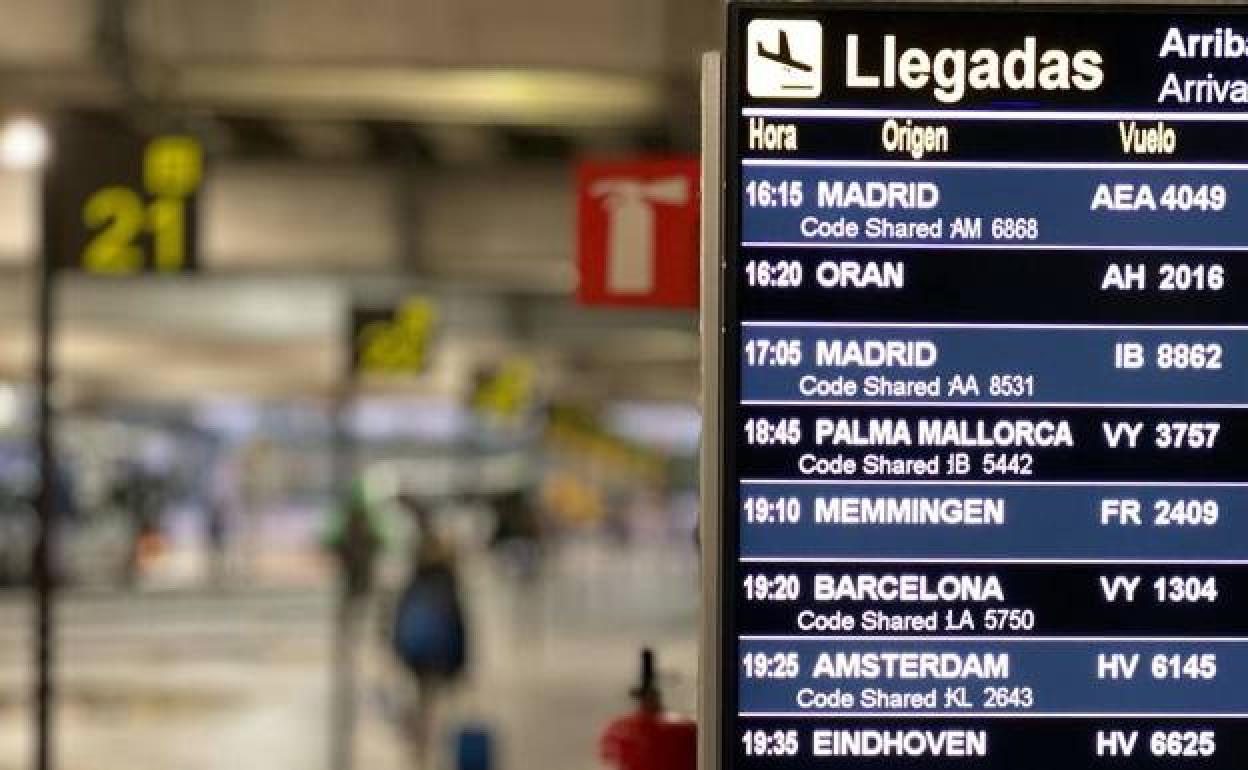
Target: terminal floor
(201,680)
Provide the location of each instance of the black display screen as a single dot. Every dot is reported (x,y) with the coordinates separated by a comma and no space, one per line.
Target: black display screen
(984,472)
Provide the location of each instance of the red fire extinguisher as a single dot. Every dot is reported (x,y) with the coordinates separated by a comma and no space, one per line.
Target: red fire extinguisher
(648,738)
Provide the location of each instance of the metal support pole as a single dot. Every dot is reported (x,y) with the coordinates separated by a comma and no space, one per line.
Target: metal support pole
(342,673)
(45,551)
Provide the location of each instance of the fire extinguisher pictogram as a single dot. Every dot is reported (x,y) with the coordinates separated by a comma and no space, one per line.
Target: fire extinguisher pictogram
(631,233)
(637,232)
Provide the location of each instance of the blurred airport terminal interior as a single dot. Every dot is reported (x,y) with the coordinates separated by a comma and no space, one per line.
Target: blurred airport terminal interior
(317,351)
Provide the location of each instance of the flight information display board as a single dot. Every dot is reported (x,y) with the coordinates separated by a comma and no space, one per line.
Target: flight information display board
(984,312)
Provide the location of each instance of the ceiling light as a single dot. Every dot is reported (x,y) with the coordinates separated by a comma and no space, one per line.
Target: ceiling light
(23,144)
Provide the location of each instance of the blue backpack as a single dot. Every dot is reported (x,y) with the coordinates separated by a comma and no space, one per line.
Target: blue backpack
(429,624)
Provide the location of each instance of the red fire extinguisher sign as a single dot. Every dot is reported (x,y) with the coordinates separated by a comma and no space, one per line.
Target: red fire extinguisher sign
(637,224)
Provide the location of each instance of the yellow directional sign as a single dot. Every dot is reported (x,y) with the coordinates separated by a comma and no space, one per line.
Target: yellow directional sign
(119,202)
(392,341)
(505,391)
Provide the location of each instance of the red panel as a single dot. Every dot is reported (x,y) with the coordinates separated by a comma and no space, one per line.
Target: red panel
(637,230)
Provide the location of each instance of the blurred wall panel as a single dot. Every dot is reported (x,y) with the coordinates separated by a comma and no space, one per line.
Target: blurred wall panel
(510,227)
(286,216)
(591,34)
(19,217)
(46,32)
(625,35)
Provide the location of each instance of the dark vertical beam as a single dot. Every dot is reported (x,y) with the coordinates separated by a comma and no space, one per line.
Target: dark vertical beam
(45,552)
(342,707)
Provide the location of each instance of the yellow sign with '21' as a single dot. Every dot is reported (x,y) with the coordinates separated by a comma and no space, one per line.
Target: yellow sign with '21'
(119,217)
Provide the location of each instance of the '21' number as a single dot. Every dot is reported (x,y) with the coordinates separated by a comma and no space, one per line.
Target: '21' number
(172,169)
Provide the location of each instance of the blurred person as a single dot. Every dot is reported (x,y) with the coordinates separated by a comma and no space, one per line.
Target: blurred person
(616,521)
(17,524)
(220,503)
(66,512)
(427,632)
(356,539)
(139,497)
(256,481)
(217,530)
(518,532)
